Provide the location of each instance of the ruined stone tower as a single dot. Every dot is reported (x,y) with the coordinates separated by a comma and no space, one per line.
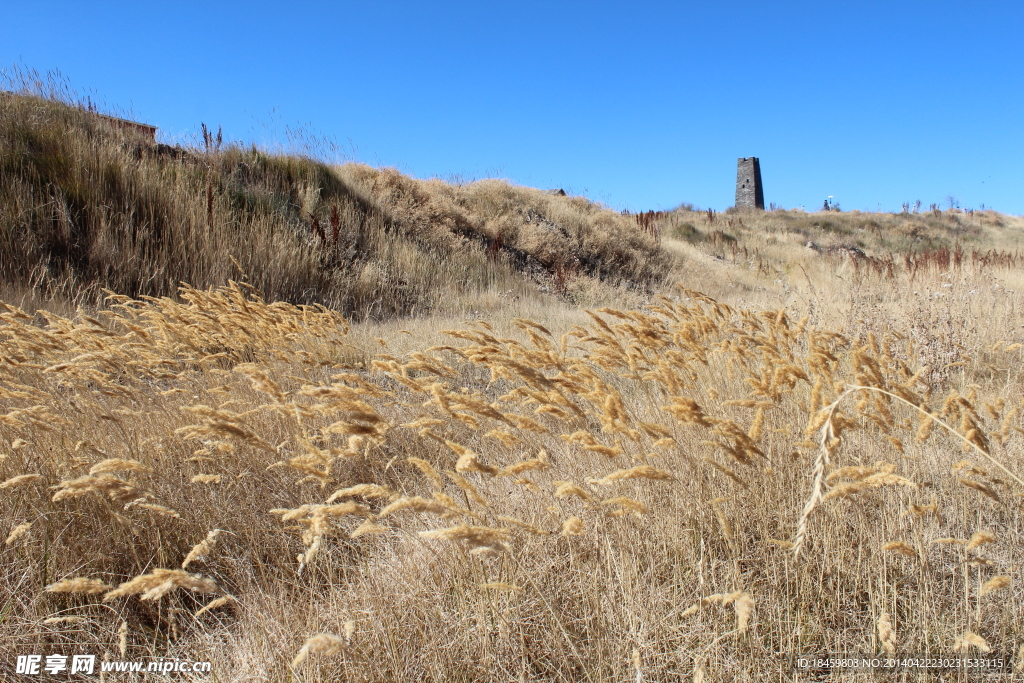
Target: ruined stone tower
(749,194)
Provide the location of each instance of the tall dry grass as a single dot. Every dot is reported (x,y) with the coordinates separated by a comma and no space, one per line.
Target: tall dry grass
(688,489)
(819,453)
(86,206)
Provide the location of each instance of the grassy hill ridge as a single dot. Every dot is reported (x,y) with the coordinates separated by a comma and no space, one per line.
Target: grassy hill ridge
(85,206)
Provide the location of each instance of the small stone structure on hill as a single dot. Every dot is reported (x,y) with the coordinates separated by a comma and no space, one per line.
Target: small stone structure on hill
(135,128)
(749,193)
(143,130)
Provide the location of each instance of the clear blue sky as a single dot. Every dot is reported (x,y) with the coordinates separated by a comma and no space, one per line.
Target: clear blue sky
(637,105)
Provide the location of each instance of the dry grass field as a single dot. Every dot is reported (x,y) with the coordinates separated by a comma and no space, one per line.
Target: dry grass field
(416,431)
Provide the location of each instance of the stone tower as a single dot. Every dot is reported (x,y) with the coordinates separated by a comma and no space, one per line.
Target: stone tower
(749,193)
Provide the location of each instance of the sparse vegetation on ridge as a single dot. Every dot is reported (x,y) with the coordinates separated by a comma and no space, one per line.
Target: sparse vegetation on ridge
(85,206)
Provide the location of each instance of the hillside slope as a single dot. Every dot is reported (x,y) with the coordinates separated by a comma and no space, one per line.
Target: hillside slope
(84,206)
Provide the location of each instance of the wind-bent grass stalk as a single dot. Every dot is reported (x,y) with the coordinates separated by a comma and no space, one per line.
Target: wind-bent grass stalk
(828,446)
